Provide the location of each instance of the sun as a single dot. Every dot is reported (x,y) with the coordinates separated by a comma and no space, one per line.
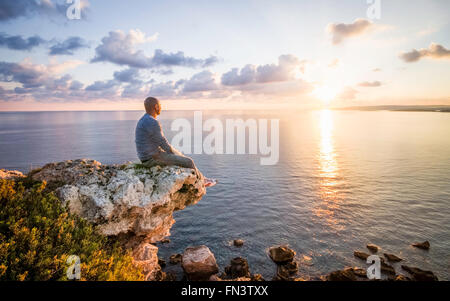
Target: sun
(326,93)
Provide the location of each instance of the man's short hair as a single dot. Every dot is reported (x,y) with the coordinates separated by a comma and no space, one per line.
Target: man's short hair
(149,102)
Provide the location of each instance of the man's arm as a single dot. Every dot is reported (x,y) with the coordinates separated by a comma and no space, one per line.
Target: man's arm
(161,140)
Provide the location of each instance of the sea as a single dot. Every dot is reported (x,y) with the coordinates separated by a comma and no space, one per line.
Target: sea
(342,179)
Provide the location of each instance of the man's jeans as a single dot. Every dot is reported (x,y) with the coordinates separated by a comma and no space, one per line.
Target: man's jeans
(163,159)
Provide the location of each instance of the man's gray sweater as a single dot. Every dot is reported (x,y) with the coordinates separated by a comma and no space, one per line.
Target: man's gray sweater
(149,138)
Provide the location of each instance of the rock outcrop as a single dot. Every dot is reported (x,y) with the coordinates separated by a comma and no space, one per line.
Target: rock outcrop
(124,199)
(128,201)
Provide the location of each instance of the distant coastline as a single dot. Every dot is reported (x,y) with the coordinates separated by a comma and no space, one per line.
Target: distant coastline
(417,108)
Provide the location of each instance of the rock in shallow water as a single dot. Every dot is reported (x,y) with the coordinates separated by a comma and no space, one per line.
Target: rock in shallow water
(238,242)
(373,248)
(175,258)
(281,254)
(287,271)
(419,274)
(342,275)
(387,269)
(199,263)
(238,268)
(392,257)
(361,255)
(422,245)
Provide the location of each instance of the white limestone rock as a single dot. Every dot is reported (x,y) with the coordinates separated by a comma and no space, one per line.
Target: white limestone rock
(124,199)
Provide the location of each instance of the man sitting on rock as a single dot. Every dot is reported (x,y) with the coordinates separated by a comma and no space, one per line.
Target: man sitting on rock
(152,146)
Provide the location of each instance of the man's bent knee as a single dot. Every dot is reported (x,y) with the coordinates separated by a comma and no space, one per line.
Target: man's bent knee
(190,163)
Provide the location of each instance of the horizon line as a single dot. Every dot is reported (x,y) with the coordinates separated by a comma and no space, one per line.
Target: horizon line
(435,106)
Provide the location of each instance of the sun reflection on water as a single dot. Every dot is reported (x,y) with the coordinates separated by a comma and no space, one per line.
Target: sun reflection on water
(328,172)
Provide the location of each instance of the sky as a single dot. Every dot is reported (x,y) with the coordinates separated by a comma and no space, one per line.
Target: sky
(223,54)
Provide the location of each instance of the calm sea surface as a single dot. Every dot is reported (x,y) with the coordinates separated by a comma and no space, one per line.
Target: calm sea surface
(344,179)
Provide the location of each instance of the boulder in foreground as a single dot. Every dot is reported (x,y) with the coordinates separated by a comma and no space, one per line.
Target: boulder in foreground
(199,263)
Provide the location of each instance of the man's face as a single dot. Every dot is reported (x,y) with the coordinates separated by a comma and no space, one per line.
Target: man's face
(158,108)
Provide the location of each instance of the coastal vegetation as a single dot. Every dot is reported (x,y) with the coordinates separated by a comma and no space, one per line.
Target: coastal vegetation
(38,234)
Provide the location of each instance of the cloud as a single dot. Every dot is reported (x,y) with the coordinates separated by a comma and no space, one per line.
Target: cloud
(130,75)
(13,9)
(135,90)
(119,48)
(434,51)
(166,89)
(27,74)
(236,77)
(12,72)
(36,80)
(283,71)
(48,83)
(276,73)
(101,85)
(76,85)
(370,84)
(68,46)
(200,82)
(56,67)
(19,43)
(342,31)
(161,59)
